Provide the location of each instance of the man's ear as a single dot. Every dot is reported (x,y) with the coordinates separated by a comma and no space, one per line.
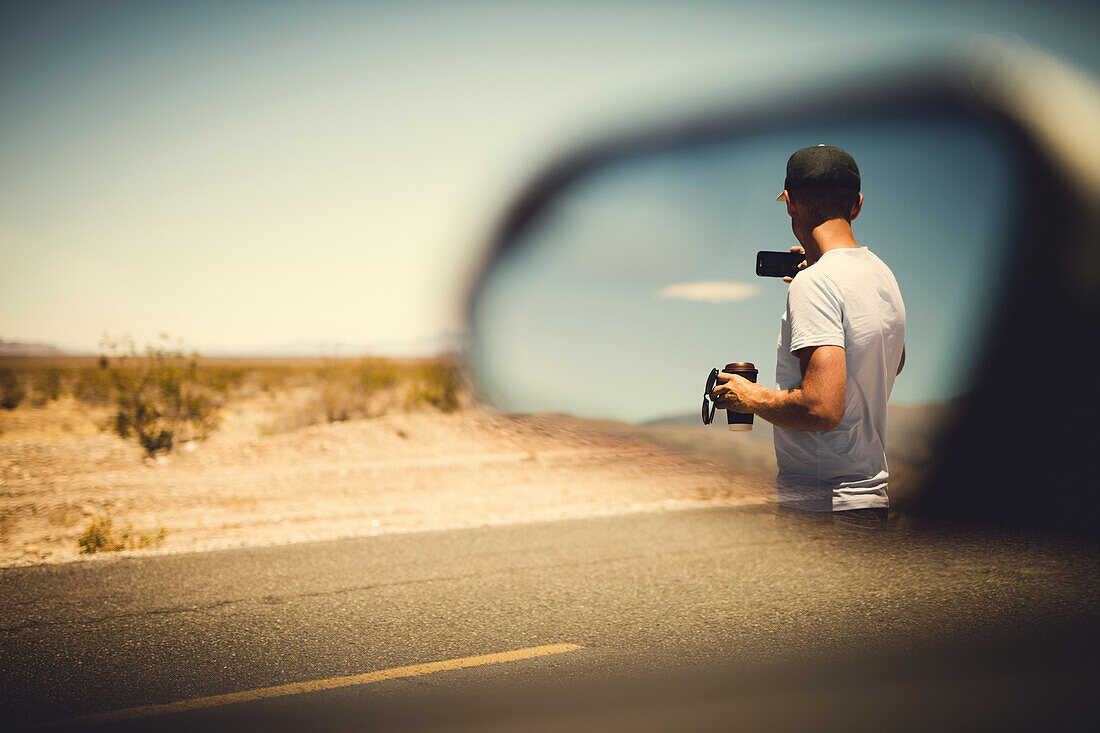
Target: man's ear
(857,207)
(790,204)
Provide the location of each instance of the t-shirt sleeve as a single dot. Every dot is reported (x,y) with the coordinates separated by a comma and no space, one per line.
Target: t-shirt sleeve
(815,311)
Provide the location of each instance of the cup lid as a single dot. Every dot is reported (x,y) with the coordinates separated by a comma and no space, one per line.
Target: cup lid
(740,365)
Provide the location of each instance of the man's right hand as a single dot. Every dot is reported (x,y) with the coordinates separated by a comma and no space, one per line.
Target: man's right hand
(802,266)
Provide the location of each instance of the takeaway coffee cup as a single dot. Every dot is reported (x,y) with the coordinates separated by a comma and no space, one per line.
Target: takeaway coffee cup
(740,420)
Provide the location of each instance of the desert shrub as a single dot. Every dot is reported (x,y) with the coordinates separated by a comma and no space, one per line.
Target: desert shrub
(46,384)
(340,403)
(438,385)
(159,396)
(92,385)
(372,375)
(12,389)
(222,378)
(101,536)
(271,379)
(348,389)
(98,537)
(357,388)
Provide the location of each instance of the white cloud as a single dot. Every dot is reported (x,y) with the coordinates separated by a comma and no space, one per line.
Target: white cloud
(710,291)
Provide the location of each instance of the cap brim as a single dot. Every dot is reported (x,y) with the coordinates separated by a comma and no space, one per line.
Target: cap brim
(781,197)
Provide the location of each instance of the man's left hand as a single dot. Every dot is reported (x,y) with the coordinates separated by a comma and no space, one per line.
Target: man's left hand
(733,392)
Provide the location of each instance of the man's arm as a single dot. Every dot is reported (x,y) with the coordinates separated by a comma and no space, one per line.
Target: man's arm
(901,365)
(816,404)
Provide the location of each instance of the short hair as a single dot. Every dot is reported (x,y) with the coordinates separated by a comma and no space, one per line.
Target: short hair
(823,204)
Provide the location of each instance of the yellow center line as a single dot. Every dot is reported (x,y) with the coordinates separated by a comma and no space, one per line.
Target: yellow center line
(297,688)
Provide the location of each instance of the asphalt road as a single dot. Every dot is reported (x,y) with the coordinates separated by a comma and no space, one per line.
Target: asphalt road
(684,619)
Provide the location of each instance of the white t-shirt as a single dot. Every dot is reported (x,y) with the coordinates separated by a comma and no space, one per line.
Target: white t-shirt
(848,298)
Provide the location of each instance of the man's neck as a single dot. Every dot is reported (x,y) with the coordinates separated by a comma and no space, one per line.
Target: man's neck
(829,235)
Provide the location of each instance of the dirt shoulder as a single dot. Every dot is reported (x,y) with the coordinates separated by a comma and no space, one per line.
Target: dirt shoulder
(397,473)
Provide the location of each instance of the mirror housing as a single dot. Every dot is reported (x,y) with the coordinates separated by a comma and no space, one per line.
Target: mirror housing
(1015,454)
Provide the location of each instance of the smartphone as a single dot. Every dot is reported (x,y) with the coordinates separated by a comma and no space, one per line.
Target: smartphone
(778,264)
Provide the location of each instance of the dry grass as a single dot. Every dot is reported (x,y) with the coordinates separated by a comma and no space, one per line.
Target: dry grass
(102,536)
(321,389)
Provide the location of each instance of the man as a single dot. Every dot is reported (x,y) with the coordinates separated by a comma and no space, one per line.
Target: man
(841,343)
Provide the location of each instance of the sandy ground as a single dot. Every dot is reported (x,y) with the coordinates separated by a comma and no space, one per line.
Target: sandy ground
(59,468)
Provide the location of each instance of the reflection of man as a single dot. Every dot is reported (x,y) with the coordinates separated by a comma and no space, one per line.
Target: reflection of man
(841,343)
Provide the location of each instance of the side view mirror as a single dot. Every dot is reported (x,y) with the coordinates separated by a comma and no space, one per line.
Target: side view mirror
(982,182)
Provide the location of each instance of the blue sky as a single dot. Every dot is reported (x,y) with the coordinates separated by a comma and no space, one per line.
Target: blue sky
(249,174)
(588,292)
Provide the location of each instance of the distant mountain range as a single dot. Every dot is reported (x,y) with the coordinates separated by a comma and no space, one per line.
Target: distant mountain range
(19,348)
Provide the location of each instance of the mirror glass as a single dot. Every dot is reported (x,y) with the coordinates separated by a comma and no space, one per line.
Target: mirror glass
(640,277)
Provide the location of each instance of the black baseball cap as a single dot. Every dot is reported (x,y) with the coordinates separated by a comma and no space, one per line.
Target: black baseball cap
(821,166)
